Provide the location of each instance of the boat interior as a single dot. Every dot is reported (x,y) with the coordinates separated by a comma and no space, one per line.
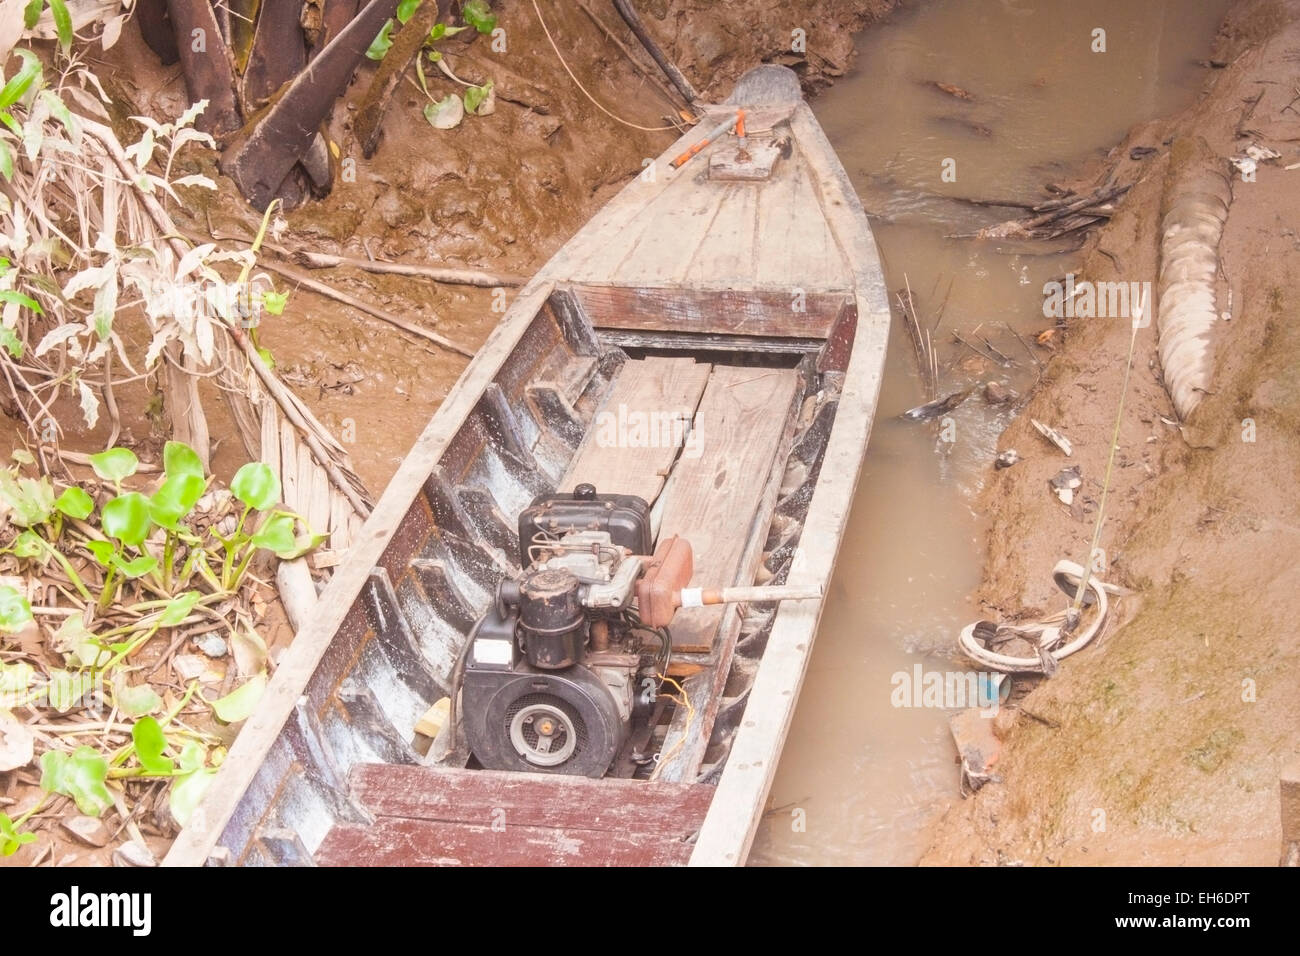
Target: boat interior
(720,430)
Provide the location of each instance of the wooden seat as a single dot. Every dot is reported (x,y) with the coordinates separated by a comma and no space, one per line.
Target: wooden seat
(426,816)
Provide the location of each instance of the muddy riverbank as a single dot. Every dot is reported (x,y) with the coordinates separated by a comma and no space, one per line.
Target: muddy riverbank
(1162,743)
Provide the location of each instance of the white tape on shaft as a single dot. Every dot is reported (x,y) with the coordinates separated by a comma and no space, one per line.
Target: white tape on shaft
(692,597)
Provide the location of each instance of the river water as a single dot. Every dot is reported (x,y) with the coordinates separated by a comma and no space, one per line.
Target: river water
(859,777)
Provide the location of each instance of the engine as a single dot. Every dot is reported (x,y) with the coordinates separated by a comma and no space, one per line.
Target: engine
(562,666)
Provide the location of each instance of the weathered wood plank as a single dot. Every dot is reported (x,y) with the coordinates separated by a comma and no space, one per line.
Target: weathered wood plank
(691,727)
(740,312)
(406,842)
(638,433)
(712,497)
(543,800)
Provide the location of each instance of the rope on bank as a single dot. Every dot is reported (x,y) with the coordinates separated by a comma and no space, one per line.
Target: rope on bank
(578,82)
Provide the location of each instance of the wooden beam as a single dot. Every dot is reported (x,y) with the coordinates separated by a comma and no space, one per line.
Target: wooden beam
(264,151)
(209,72)
(279,51)
(406,47)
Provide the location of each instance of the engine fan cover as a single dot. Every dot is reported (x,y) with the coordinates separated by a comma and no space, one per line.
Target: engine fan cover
(542,721)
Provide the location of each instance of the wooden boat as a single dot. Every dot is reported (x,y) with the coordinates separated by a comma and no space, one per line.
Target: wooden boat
(741,293)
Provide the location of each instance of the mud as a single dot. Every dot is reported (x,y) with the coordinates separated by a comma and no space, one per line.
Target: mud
(1162,743)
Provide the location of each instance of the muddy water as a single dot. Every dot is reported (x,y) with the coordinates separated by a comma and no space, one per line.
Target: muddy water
(858,776)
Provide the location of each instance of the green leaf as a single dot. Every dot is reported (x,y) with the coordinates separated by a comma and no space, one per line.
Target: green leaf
(180,459)
(115,464)
(441,30)
(11,342)
(378,48)
(29,545)
(239,703)
(22,456)
(79,775)
(175,498)
(406,9)
(150,741)
(179,608)
(75,503)
(10,839)
(103,551)
(274,302)
(446,113)
(187,793)
(137,567)
(137,701)
(6,161)
(255,485)
(478,99)
(9,295)
(15,610)
(276,534)
(479,15)
(21,81)
(30,500)
(32,12)
(15,678)
(126,518)
(62,23)
(65,689)
(193,756)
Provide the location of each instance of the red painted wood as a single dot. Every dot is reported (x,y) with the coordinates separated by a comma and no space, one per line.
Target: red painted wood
(405,842)
(668,811)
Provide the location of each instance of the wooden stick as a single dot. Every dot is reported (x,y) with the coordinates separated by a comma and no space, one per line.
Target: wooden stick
(448,274)
(656,80)
(319,287)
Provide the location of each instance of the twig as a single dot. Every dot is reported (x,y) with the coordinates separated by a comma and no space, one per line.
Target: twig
(474,277)
(1020,339)
(322,289)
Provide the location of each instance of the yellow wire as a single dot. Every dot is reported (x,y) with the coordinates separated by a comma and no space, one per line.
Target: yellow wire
(619,119)
(683,701)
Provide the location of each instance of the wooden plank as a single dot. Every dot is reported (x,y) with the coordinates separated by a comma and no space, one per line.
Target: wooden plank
(713,496)
(798,248)
(733,817)
(729,312)
(687,739)
(632,444)
(528,799)
(731,243)
(406,842)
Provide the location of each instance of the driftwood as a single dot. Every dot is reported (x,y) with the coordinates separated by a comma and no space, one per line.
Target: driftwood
(266,149)
(406,47)
(1056,217)
(454,276)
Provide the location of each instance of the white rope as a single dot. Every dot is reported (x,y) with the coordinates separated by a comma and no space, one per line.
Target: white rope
(595,102)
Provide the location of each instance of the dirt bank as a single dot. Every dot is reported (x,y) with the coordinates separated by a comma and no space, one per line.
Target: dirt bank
(1162,743)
